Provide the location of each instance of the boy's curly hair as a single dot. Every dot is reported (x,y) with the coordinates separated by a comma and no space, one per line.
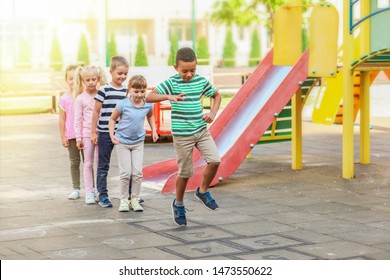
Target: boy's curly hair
(186,55)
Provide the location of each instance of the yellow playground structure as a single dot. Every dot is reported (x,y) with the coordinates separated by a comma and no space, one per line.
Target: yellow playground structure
(347,72)
(328,107)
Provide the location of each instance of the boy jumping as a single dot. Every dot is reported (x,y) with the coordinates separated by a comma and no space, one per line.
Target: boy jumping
(189,128)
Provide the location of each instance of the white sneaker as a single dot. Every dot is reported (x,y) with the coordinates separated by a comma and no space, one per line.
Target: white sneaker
(124,206)
(74,195)
(96,195)
(134,204)
(90,198)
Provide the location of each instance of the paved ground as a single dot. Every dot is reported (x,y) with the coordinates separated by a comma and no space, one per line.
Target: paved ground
(267,210)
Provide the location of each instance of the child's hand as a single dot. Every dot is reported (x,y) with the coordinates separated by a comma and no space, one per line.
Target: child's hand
(65,142)
(80,144)
(209,117)
(114,140)
(94,138)
(177,98)
(155,136)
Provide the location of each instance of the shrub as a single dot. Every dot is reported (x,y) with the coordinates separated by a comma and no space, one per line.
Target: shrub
(255,53)
(173,49)
(305,39)
(203,51)
(140,56)
(56,61)
(83,53)
(229,50)
(24,54)
(111,48)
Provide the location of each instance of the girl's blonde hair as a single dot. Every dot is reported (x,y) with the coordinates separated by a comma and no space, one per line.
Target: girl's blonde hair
(69,68)
(138,82)
(117,61)
(81,71)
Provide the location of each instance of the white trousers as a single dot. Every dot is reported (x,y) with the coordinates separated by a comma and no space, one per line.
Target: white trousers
(130,161)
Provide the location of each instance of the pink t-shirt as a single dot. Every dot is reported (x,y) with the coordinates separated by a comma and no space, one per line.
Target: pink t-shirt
(66,104)
(85,104)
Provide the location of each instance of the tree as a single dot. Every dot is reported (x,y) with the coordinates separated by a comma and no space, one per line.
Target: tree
(241,13)
(255,53)
(271,6)
(83,53)
(229,50)
(56,61)
(203,51)
(231,12)
(173,49)
(111,48)
(140,55)
(24,54)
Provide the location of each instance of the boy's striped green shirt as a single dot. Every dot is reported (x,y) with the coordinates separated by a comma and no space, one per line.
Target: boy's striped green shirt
(187,115)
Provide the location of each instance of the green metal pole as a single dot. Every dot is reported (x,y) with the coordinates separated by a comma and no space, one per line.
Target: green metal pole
(106,33)
(193,26)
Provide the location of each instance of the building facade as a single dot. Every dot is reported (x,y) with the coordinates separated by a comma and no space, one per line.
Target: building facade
(37,22)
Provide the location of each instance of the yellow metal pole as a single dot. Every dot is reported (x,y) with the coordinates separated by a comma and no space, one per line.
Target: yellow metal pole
(296,127)
(348,99)
(364,86)
(364,117)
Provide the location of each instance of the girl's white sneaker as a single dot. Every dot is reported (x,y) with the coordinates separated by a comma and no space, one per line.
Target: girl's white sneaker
(74,195)
(124,206)
(134,204)
(90,198)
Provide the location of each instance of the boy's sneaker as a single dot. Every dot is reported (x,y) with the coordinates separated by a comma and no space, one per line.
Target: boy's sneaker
(124,206)
(179,214)
(74,195)
(105,202)
(134,204)
(207,199)
(90,198)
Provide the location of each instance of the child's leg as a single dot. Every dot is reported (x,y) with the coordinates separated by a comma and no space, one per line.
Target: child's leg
(124,164)
(209,151)
(181,184)
(208,175)
(105,147)
(89,153)
(137,158)
(74,157)
(184,146)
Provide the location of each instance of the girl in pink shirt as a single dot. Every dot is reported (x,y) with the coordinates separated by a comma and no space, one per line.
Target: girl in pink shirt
(68,136)
(87,81)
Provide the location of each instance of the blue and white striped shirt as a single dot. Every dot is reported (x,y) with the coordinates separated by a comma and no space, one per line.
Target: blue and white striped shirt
(109,96)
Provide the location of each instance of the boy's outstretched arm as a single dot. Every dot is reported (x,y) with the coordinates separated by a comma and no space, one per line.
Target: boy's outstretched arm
(153,96)
(209,117)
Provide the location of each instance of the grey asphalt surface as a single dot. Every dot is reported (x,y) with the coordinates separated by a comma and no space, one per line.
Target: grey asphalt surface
(267,210)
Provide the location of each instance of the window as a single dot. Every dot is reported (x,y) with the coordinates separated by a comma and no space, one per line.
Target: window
(183,30)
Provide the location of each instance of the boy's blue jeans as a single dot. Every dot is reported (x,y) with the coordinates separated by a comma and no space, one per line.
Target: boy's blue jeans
(105,147)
